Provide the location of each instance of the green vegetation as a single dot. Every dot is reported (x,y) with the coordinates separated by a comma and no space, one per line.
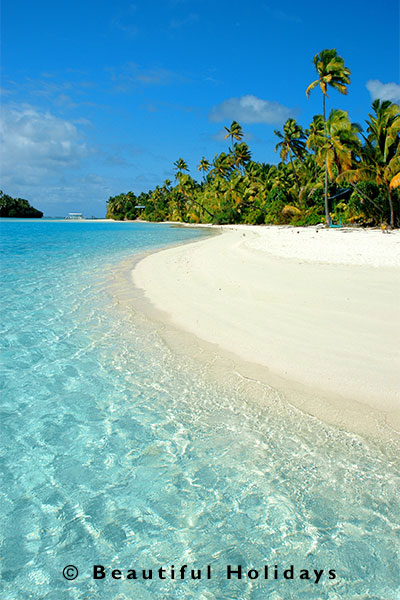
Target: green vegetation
(330,172)
(17,208)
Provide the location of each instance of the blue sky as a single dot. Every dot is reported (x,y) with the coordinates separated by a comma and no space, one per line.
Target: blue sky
(102,97)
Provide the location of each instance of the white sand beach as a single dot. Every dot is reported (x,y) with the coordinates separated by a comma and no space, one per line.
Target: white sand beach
(314,312)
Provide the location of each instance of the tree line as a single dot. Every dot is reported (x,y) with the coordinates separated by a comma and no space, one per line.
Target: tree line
(17,208)
(333,171)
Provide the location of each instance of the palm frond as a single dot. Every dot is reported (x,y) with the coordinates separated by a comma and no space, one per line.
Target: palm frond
(311,87)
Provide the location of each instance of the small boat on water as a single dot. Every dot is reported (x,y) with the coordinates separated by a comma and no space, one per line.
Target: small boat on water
(75,215)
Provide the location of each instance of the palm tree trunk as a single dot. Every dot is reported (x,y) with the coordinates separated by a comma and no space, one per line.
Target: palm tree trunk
(327,217)
(364,195)
(295,175)
(391,207)
(203,208)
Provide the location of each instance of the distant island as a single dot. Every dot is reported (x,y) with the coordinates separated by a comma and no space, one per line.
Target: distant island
(17,208)
(332,172)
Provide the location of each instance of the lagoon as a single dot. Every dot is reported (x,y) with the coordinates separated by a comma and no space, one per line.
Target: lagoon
(116,451)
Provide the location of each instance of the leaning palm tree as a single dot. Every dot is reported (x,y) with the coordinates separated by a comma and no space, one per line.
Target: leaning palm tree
(292,143)
(189,193)
(234,191)
(222,165)
(235,132)
(331,72)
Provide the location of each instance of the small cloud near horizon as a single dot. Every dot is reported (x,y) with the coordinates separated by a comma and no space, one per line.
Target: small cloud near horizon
(250,109)
(383,91)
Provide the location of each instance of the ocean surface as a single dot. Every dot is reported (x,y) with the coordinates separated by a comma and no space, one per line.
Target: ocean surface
(117,452)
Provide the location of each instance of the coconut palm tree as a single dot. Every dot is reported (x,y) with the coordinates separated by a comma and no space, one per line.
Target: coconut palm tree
(242,155)
(204,166)
(235,132)
(336,144)
(340,143)
(332,72)
(381,153)
(292,142)
(179,192)
(315,133)
(222,165)
(180,166)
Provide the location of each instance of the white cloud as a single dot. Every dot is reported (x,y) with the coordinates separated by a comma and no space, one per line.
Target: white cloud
(250,109)
(37,144)
(383,91)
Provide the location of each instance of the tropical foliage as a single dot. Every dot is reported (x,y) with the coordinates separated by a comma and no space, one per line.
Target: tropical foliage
(332,171)
(17,208)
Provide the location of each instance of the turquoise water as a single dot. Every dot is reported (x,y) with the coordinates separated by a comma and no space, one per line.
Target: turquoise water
(116,452)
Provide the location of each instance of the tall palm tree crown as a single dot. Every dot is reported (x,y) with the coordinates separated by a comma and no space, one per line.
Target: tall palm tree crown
(235,132)
(331,72)
(204,166)
(180,165)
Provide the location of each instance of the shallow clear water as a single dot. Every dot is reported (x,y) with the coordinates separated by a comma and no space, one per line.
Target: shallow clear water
(116,452)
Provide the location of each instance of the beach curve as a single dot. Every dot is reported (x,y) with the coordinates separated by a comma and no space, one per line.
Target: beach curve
(314,312)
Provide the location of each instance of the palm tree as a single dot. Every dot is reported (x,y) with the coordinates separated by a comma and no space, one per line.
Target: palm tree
(242,155)
(167,186)
(315,133)
(222,164)
(187,192)
(204,166)
(235,132)
(291,142)
(381,153)
(341,143)
(180,166)
(180,192)
(331,72)
(336,145)
(234,190)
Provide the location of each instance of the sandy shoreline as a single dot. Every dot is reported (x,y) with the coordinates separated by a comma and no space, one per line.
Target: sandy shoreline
(312,312)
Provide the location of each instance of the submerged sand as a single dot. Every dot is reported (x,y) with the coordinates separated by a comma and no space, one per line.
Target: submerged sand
(310,311)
